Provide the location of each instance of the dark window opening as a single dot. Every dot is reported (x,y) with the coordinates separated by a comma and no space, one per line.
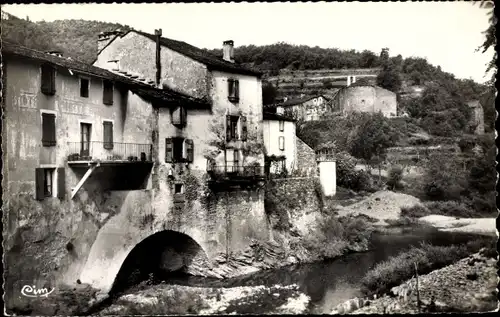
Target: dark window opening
(47,182)
(233,90)
(179,189)
(48,129)
(84,87)
(85,133)
(179,116)
(107,92)
(48,78)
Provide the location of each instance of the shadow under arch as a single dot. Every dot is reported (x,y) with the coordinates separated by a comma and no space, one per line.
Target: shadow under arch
(161,254)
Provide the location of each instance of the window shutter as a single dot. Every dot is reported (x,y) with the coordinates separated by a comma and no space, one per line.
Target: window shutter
(39,183)
(176,116)
(244,130)
(282,142)
(108,135)
(48,129)
(61,183)
(236,156)
(189,150)
(237,89)
(168,150)
(228,128)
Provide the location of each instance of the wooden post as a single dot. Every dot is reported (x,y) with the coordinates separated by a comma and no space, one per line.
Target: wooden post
(418,295)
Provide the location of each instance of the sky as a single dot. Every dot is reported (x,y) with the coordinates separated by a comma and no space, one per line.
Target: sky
(446,33)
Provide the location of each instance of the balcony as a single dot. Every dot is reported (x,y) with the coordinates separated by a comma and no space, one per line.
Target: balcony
(235,174)
(109,153)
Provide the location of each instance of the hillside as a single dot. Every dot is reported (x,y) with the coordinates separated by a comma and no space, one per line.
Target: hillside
(74,38)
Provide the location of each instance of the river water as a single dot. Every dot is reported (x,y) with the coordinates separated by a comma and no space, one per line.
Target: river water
(332,282)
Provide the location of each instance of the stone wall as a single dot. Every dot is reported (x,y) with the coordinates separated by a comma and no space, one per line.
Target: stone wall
(306,159)
(293,202)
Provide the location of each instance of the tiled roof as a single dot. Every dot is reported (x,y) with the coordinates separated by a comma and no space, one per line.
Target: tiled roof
(136,86)
(297,101)
(274,116)
(201,56)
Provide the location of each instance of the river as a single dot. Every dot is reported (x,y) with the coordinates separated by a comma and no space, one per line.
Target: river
(332,282)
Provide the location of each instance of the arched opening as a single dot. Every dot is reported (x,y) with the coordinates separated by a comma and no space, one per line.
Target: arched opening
(160,256)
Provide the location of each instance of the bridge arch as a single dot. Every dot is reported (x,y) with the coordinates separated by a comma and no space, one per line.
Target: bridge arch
(116,256)
(160,253)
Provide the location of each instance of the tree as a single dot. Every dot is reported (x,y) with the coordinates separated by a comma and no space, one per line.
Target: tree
(389,78)
(374,136)
(268,93)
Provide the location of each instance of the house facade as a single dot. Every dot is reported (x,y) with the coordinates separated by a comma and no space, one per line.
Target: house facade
(77,144)
(208,161)
(365,98)
(306,108)
(280,142)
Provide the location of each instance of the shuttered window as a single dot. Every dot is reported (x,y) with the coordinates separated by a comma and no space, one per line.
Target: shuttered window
(48,129)
(232,127)
(169,150)
(179,116)
(39,183)
(44,183)
(48,84)
(107,97)
(108,135)
(282,143)
(282,125)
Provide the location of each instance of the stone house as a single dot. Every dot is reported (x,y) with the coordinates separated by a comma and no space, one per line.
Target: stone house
(306,108)
(365,98)
(287,151)
(208,170)
(77,144)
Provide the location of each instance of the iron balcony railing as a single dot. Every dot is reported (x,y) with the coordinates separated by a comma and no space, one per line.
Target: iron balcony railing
(231,172)
(104,151)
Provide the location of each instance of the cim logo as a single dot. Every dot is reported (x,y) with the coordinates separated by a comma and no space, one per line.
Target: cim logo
(35,290)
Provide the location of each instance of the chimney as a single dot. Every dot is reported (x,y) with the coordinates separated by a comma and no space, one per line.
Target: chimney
(104,38)
(228,51)
(158,61)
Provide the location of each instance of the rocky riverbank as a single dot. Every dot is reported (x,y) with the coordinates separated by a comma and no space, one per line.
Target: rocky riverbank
(180,300)
(466,286)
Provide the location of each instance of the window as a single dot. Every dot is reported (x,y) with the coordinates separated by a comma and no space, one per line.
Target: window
(232,160)
(48,84)
(108,134)
(282,143)
(179,189)
(85,133)
(236,128)
(280,110)
(233,90)
(282,125)
(84,87)
(179,116)
(107,97)
(179,150)
(50,182)
(48,129)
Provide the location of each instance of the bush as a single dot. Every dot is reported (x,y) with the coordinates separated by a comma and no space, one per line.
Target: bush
(395,177)
(444,178)
(349,177)
(416,211)
(450,208)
